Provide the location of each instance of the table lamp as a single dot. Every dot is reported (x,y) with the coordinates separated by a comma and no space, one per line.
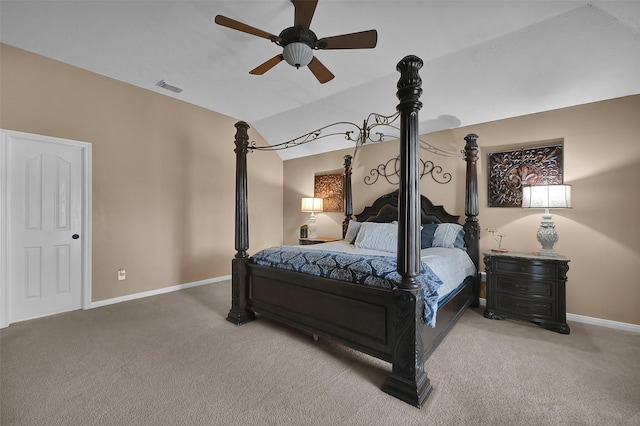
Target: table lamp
(312,205)
(546,197)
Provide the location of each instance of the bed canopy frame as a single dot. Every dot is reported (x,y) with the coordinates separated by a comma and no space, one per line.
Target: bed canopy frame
(403,339)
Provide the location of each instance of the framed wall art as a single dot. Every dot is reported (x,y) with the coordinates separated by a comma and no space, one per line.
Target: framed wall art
(510,170)
(329,188)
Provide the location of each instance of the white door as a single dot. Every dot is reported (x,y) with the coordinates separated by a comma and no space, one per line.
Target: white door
(45,226)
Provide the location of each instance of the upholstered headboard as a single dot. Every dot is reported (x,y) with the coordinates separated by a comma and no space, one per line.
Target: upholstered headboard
(385,209)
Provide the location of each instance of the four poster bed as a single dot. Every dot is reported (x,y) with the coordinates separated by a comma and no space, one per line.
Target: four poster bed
(388,321)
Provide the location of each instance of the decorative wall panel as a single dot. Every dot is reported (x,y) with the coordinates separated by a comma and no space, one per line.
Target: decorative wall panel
(329,188)
(510,170)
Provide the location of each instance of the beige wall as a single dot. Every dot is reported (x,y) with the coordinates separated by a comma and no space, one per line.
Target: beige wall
(163,183)
(163,173)
(600,234)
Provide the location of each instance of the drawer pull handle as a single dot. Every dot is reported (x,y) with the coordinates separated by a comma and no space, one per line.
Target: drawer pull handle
(522,287)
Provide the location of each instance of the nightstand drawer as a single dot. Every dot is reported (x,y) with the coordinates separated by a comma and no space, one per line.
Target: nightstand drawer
(522,286)
(525,308)
(531,268)
(529,287)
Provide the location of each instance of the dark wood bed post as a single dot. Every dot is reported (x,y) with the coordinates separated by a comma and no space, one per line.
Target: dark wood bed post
(348,196)
(239,282)
(408,380)
(471,210)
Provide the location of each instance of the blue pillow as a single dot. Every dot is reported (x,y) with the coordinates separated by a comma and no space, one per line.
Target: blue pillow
(378,236)
(427,234)
(352,231)
(450,235)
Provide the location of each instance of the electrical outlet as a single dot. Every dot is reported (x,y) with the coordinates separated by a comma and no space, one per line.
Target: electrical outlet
(122,274)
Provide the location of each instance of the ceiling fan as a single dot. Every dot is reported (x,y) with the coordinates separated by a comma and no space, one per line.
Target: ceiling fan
(298,41)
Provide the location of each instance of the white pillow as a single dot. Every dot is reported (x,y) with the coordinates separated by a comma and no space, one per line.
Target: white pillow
(378,236)
(446,235)
(352,231)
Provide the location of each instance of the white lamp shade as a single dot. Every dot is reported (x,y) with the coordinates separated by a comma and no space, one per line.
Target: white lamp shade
(311,205)
(297,54)
(546,197)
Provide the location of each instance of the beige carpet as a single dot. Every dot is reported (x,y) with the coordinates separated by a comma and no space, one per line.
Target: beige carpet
(174,360)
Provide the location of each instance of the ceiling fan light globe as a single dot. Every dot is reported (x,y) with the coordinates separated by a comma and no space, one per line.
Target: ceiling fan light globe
(297,54)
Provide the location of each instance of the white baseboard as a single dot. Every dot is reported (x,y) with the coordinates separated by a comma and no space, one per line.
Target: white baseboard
(156,292)
(604,323)
(594,321)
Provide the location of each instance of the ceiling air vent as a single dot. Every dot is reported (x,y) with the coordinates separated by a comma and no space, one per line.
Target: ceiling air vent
(164,85)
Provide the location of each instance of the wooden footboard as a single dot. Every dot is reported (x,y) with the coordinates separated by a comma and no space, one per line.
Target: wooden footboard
(354,315)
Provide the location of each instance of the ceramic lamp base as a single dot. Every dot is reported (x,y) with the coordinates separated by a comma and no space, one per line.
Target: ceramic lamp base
(547,235)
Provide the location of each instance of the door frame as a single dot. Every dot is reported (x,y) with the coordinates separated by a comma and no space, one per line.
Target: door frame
(86,215)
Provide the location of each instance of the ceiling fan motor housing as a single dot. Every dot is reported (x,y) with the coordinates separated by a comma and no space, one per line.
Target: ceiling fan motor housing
(298,45)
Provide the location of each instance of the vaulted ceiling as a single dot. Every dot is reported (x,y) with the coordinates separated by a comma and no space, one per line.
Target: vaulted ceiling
(483,60)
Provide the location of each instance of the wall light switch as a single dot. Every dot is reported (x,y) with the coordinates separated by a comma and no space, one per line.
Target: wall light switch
(122,274)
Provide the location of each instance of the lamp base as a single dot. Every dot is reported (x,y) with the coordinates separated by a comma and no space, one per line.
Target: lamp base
(312,226)
(547,235)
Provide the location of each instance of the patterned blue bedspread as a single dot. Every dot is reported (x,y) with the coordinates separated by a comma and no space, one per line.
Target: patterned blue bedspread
(377,271)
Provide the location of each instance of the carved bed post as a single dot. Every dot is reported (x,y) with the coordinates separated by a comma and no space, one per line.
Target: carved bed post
(408,380)
(239,313)
(471,210)
(348,197)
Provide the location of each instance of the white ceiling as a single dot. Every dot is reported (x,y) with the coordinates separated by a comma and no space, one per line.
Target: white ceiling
(483,60)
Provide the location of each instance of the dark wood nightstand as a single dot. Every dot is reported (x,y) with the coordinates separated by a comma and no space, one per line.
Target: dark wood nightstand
(318,240)
(528,287)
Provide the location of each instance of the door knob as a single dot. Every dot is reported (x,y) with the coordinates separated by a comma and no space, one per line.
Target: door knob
(75,236)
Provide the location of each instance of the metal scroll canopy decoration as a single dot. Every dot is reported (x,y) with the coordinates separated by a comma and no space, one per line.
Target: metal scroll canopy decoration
(371,131)
(375,128)
(391,172)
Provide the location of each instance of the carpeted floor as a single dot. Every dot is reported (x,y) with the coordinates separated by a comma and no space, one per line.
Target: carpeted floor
(174,360)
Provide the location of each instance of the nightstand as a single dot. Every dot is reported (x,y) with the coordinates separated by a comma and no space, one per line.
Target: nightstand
(528,287)
(318,240)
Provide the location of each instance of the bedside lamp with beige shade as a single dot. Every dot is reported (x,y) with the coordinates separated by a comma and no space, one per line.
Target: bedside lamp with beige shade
(547,197)
(313,206)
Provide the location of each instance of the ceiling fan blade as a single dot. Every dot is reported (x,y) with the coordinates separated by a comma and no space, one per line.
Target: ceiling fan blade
(360,40)
(239,26)
(320,71)
(261,69)
(304,12)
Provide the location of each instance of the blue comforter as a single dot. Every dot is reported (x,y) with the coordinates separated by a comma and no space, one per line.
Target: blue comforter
(378,271)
